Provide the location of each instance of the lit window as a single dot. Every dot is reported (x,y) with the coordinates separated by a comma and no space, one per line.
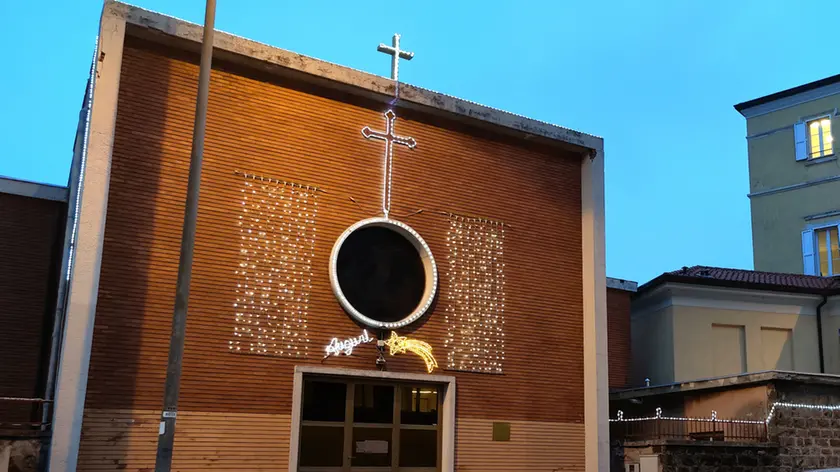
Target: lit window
(828,251)
(819,138)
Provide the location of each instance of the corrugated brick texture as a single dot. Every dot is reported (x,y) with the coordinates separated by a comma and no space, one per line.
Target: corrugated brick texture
(119,440)
(127,440)
(533,446)
(31,231)
(618,336)
(286,130)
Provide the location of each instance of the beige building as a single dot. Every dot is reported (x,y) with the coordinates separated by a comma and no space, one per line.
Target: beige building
(795,178)
(704,322)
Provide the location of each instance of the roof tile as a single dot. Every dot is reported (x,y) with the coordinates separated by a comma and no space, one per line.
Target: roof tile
(779,280)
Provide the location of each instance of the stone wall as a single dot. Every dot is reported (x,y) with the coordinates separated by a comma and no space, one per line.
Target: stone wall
(683,456)
(19,455)
(703,458)
(808,438)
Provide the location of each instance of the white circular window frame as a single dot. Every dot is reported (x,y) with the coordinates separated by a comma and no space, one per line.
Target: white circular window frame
(429,267)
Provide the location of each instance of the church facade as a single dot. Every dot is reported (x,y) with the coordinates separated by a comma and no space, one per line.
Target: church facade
(385,278)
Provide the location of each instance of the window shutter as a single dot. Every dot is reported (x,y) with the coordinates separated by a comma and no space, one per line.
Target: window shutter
(801,141)
(808,257)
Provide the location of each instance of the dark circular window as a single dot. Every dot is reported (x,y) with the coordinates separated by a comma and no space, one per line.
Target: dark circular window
(383,273)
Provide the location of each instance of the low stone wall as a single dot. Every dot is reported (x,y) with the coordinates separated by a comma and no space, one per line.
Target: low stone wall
(21,454)
(697,458)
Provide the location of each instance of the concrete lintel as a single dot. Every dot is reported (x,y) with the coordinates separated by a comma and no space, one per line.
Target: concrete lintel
(825,214)
(25,188)
(83,288)
(801,185)
(375,374)
(732,381)
(693,443)
(621,284)
(595,375)
(360,82)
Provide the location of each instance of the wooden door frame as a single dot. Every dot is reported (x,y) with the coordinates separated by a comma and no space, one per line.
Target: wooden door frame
(447,383)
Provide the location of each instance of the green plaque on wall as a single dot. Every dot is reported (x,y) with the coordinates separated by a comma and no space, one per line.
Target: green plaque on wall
(501,431)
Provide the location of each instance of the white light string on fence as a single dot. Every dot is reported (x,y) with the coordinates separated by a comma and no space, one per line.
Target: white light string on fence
(620,415)
(658,416)
(800,405)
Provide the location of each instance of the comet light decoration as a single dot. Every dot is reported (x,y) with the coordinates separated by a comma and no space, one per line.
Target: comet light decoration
(400,344)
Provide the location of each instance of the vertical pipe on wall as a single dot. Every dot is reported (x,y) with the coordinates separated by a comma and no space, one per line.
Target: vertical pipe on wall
(820,352)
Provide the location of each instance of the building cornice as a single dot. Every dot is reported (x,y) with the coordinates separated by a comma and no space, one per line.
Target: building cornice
(282,62)
(790,98)
(25,188)
(677,294)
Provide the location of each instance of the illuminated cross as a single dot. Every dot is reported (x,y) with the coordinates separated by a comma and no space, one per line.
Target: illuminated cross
(390,139)
(396,53)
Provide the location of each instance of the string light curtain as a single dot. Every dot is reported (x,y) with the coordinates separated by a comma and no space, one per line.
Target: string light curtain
(475,315)
(274,277)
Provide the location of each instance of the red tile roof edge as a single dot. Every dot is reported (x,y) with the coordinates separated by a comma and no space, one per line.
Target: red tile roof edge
(747,279)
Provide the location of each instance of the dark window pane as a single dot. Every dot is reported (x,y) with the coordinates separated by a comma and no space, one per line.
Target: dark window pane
(371,447)
(321,446)
(419,405)
(418,448)
(324,401)
(373,404)
(381,273)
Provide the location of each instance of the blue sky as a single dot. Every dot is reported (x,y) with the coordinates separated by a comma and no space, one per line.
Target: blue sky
(656,79)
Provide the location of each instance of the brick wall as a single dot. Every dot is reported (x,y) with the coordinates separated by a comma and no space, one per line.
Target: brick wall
(618,334)
(31,231)
(282,129)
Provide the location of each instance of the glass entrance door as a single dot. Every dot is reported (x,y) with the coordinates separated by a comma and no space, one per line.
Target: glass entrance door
(350,425)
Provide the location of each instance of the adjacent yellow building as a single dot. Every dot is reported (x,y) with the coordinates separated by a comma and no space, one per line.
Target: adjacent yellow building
(704,322)
(795,178)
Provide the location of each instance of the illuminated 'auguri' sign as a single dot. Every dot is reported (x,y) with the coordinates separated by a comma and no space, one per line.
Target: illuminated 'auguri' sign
(337,346)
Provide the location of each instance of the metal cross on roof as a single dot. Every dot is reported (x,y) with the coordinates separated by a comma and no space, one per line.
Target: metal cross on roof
(396,53)
(390,139)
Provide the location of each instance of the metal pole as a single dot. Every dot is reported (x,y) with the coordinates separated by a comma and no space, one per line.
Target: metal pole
(166,439)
